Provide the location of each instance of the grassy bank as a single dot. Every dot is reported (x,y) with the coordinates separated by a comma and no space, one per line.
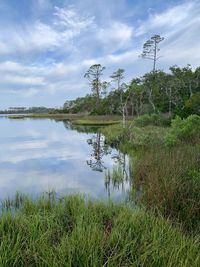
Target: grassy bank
(165,165)
(75,232)
(93,122)
(87,120)
(170,179)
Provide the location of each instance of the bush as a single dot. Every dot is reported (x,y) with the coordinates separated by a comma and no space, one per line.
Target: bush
(153,120)
(149,136)
(134,137)
(184,130)
(194,103)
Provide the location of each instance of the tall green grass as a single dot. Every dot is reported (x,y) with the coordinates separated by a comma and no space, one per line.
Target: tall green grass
(133,137)
(74,232)
(170,180)
(168,177)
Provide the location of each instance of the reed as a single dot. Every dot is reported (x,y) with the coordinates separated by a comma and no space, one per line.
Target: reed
(75,231)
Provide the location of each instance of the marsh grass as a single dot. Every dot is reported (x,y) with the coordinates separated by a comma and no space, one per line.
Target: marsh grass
(168,178)
(89,122)
(115,178)
(132,137)
(73,231)
(171,183)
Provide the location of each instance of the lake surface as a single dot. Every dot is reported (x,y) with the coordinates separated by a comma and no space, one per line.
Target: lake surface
(39,155)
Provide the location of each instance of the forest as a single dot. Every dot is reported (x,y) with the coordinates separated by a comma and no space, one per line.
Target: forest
(175,92)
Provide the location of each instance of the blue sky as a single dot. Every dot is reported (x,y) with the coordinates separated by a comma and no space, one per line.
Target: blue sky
(46,46)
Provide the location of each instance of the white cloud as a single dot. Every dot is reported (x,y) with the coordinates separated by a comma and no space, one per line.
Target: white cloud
(43,3)
(30,92)
(48,57)
(21,80)
(29,145)
(172,16)
(49,79)
(44,36)
(11,66)
(170,19)
(66,24)
(70,19)
(116,36)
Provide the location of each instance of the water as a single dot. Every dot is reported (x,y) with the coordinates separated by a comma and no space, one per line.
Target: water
(38,155)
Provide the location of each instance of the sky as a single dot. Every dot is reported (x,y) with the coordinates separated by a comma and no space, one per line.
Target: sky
(46,46)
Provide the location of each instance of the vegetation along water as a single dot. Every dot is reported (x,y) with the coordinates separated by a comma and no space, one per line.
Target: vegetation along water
(121,172)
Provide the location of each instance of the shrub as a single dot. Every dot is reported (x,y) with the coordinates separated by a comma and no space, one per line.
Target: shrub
(184,130)
(134,137)
(115,134)
(194,103)
(153,119)
(148,136)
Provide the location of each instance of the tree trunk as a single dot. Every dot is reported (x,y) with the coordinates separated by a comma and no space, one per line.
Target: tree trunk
(124,116)
(190,89)
(151,101)
(170,101)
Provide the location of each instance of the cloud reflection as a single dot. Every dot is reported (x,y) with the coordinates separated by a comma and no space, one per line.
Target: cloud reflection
(39,155)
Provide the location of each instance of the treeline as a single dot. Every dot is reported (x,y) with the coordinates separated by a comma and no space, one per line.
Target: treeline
(31,110)
(174,92)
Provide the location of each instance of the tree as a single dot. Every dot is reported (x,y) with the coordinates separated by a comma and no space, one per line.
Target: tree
(137,96)
(172,87)
(104,86)
(94,74)
(117,77)
(99,150)
(194,103)
(188,79)
(151,49)
(150,88)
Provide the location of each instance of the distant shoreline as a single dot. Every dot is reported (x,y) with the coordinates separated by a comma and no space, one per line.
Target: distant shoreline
(78,119)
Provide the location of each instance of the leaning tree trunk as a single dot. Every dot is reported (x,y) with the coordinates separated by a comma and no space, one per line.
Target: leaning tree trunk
(190,89)
(151,101)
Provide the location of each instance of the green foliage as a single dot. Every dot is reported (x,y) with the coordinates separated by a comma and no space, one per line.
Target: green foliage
(132,137)
(181,111)
(193,104)
(80,105)
(74,232)
(171,183)
(153,119)
(93,122)
(169,178)
(184,130)
(115,175)
(149,136)
(175,93)
(114,134)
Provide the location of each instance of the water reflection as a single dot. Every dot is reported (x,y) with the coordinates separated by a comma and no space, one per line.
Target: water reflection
(80,128)
(119,177)
(38,155)
(99,150)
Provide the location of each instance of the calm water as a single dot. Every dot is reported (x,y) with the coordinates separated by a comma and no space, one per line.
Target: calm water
(40,155)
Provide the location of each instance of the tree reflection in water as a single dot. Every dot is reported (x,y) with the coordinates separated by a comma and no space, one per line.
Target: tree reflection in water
(118,178)
(99,150)
(97,143)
